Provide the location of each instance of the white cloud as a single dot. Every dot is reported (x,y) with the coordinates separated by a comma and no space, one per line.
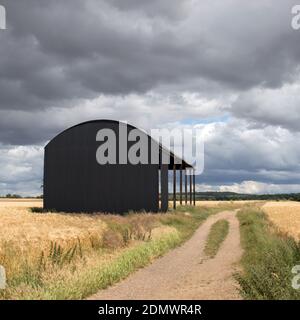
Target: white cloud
(236,144)
(251,187)
(255,187)
(21,170)
(146,111)
(235,152)
(265,106)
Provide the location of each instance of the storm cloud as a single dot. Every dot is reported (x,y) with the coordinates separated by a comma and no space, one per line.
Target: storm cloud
(229,67)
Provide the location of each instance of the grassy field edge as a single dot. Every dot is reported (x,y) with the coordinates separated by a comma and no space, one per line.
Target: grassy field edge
(268,259)
(217,234)
(90,282)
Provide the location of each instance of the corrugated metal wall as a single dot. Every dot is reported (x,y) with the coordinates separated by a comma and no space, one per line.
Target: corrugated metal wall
(75,182)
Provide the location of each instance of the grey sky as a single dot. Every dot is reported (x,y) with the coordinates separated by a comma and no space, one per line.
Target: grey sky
(231,64)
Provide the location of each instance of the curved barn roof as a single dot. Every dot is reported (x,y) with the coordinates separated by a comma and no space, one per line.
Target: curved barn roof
(161,147)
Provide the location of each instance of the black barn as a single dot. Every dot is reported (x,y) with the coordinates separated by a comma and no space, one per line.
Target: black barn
(75,182)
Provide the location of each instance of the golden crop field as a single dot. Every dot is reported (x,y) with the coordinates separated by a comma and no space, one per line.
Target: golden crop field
(286,216)
(21,203)
(21,226)
(215,203)
(51,248)
(33,231)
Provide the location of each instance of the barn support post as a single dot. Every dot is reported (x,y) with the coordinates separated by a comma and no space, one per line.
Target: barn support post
(185,187)
(191,187)
(174,186)
(164,177)
(181,184)
(194,187)
(159,188)
(159,181)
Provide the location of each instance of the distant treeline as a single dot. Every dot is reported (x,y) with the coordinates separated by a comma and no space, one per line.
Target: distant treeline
(231,196)
(209,196)
(17,196)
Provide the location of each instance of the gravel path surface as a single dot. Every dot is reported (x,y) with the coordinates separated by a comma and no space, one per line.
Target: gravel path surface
(185,272)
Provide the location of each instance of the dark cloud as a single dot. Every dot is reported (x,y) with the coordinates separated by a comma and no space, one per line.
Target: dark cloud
(236,152)
(173,9)
(26,127)
(276,107)
(63,62)
(56,50)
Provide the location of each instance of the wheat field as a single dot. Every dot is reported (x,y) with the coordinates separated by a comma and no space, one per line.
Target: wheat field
(285,216)
(216,203)
(43,252)
(26,229)
(21,226)
(45,247)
